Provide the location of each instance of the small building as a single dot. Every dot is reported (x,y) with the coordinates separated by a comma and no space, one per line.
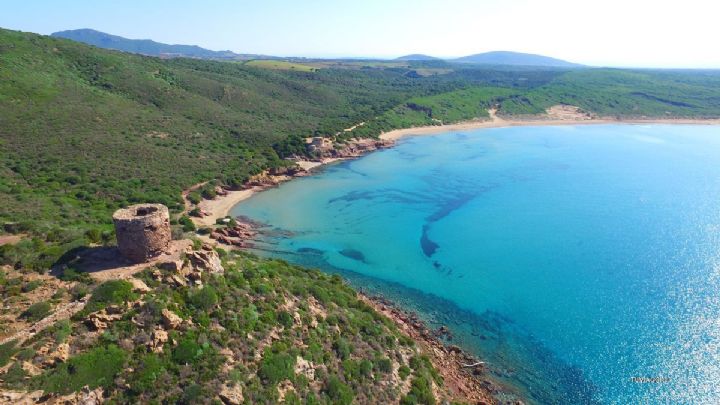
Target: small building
(142,231)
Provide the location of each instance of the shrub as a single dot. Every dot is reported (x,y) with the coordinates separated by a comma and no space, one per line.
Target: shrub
(404,371)
(285,319)
(208,192)
(150,367)
(7,350)
(187,351)
(36,311)
(338,391)
(113,292)
(192,394)
(420,393)
(383,365)
(203,298)
(365,368)
(96,368)
(61,330)
(31,285)
(58,294)
(71,274)
(342,348)
(187,224)
(194,197)
(276,367)
(79,291)
(94,235)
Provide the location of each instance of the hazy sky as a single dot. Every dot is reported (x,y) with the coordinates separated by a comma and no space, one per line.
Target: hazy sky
(645,33)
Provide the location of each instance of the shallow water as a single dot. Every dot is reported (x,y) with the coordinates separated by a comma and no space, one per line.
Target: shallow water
(582,262)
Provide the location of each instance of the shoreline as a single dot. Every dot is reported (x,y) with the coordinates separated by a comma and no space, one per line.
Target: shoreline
(464,375)
(221,206)
(537,121)
(472,384)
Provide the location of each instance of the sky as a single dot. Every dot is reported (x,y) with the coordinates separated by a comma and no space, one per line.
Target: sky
(637,33)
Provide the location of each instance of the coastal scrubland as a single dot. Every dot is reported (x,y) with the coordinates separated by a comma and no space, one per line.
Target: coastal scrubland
(253,331)
(84,131)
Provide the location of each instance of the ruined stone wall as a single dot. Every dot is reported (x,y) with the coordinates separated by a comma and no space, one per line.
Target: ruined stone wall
(142,231)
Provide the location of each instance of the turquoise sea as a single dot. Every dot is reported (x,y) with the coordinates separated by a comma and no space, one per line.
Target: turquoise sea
(582,262)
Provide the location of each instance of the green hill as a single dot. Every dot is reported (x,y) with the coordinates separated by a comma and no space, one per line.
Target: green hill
(514,59)
(145,46)
(86,130)
(417,57)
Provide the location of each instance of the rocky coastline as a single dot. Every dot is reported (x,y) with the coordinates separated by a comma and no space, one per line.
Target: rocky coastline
(464,375)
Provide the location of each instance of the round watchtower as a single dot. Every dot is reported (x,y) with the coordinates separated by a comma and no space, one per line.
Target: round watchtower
(142,231)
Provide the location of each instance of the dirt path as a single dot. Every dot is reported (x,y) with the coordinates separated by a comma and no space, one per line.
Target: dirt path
(10,239)
(186,193)
(63,311)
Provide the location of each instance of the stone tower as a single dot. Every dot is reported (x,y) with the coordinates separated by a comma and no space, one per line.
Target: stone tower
(142,231)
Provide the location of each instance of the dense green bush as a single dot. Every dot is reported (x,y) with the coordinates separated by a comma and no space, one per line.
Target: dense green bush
(342,348)
(338,391)
(187,224)
(36,311)
(7,350)
(113,292)
(203,298)
(420,392)
(96,368)
(187,351)
(276,367)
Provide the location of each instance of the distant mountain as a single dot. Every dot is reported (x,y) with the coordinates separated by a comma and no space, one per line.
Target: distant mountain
(418,57)
(514,59)
(146,46)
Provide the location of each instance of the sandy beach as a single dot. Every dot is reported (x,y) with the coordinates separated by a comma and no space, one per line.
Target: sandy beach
(220,206)
(557,115)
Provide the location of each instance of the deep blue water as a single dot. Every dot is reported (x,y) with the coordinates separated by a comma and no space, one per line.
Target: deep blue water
(571,258)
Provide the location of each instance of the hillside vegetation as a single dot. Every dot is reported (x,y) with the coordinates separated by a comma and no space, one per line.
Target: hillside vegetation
(257,331)
(84,131)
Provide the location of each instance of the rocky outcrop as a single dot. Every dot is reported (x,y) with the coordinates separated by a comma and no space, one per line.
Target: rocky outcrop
(159,338)
(285,171)
(172,265)
(20,398)
(99,320)
(463,374)
(349,149)
(143,231)
(305,367)
(170,319)
(358,147)
(238,235)
(190,271)
(206,260)
(139,286)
